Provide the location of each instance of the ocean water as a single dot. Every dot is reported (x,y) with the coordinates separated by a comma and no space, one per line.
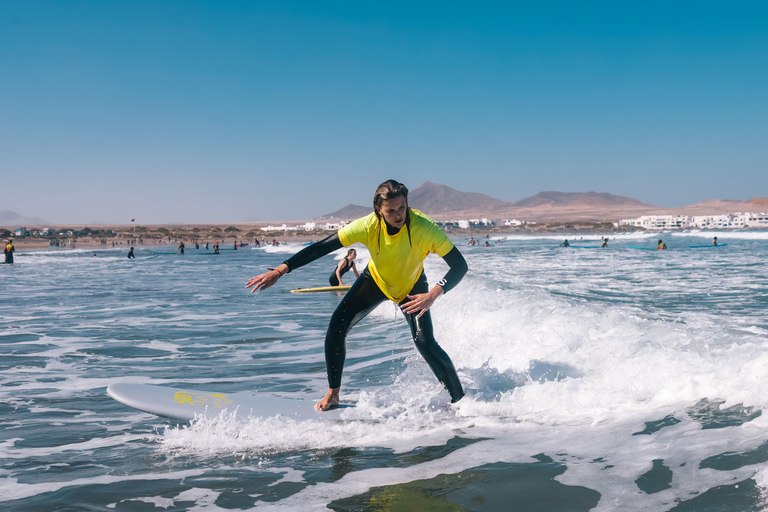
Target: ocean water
(605,379)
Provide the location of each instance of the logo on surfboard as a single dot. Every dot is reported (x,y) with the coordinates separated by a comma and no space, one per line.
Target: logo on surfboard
(217,399)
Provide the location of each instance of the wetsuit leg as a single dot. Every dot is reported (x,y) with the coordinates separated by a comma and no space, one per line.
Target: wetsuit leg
(423,337)
(360,300)
(333,280)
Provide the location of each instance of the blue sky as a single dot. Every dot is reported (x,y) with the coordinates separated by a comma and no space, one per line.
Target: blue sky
(226,111)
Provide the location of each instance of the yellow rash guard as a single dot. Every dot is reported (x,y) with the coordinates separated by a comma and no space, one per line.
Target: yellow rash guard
(398,263)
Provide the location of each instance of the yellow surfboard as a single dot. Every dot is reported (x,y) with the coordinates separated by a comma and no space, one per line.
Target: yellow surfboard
(322,289)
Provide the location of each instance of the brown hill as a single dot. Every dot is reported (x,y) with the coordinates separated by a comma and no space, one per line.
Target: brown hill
(351,211)
(579,200)
(433,198)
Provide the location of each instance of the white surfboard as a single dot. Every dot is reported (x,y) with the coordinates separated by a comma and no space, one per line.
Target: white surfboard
(185,404)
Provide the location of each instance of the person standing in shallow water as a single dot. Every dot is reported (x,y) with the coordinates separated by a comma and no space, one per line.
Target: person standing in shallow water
(8,250)
(399,240)
(348,262)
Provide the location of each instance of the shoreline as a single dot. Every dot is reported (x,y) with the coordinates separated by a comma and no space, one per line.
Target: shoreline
(125,239)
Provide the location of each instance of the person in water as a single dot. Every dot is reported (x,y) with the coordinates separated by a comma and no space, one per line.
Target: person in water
(181,247)
(216,248)
(714,241)
(8,250)
(565,244)
(130,253)
(343,267)
(661,246)
(399,239)
(605,242)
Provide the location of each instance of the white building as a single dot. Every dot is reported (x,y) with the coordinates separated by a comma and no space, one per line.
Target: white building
(723,221)
(757,220)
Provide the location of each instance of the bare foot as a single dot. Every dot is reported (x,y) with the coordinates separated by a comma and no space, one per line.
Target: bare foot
(329,401)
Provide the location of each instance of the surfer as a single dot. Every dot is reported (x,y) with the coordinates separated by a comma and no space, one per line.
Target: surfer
(565,244)
(605,242)
(661,246)
(8,251)
(399,239)
(343,267)
(130,253)
(216,248)
(181,247)
(714,241)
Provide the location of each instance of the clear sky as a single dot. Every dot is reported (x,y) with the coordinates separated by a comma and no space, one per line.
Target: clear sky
(227,111)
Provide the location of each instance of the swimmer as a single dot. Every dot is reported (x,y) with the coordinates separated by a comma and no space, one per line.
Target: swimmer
(348,262)
(661,246)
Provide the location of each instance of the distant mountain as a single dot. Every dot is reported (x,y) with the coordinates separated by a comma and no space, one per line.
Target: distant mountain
(435,198)
(351,211)
(759,202)
(444,203)
(578,199)
(720,206)
(9,218)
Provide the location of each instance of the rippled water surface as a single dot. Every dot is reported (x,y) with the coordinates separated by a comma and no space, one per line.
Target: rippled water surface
(597,379)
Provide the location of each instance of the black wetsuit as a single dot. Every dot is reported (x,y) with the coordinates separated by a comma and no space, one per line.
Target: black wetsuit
(335,280)
(8,250)
(130,253)
(363,298)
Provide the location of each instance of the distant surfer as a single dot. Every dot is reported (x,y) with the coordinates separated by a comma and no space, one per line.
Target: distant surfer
(661,246)
(605,242)
(8,250)
(714,241)
(471,241)
(343,267)
(565,244)
(130,253)
(235,245)
(399,239)
(181,247)
(216,248)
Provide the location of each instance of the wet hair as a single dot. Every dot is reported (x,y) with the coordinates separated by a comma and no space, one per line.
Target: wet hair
(391,189)
(350,251)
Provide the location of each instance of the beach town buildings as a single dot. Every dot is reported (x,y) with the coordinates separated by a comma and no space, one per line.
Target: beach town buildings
(308,226)
(723,221)
(516,222)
